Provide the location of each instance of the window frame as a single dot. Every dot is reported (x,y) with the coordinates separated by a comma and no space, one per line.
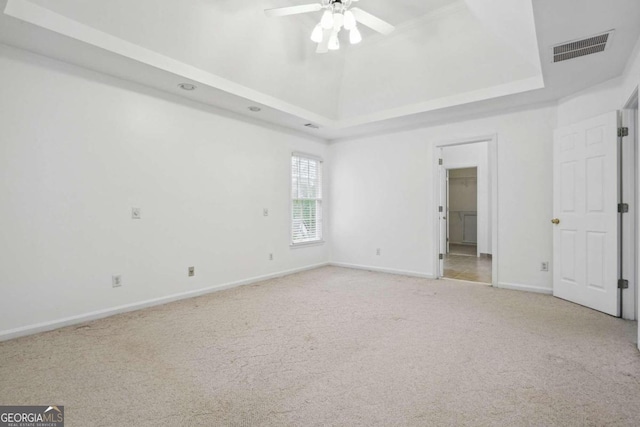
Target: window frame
(320,209)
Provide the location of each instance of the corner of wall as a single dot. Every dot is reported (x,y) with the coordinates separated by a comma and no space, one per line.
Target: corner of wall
(591,102)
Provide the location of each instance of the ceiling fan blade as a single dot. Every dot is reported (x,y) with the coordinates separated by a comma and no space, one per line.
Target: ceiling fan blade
(323,46)
(373,22)
(293,10)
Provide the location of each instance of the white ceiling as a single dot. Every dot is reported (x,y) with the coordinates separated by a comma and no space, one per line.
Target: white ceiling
(446,59)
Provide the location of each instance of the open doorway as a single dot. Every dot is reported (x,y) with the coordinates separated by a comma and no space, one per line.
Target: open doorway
(465,221)
(463,260)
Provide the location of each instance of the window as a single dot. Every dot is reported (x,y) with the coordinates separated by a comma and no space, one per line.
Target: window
(306,199)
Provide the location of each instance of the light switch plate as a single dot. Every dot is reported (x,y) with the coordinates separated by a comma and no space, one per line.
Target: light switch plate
(116,281)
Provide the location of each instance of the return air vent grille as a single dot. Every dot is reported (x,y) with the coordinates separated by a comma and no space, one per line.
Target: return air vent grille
(580,48)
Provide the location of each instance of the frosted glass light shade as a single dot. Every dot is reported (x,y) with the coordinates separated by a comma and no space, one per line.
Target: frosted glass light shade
(349,20)
(338,20)
(327,20)
(354,36)
(334,43)
(317,34)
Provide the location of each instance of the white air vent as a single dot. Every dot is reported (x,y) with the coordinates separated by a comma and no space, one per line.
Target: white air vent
(578,48)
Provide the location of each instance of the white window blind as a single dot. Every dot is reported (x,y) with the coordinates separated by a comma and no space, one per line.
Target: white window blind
(306,199)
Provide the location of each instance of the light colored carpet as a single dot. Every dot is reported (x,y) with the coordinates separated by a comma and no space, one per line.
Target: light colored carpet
(337,347)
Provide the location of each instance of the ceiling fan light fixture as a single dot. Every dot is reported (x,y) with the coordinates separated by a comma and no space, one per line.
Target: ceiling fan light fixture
(338,20)
(327,20)
(354,36)
(334,43)
(336,15)
(317,34)
(349,20)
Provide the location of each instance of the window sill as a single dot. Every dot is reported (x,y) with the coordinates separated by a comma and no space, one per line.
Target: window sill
(306,244)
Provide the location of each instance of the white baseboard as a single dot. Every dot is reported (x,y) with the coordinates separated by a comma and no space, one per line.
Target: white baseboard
(86,317)
(466,281)
(527,288)
(383,270)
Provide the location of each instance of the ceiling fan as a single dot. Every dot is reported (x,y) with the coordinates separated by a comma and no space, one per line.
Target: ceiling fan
(338,15)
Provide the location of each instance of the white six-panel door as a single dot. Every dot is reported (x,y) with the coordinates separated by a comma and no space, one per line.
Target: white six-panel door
(585,240)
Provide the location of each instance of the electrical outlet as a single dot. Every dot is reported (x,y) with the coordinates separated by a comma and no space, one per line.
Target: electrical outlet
(544,266)
(116,281)
(270,257)
(135,213)
(378,251)
(265,212)
(192,271)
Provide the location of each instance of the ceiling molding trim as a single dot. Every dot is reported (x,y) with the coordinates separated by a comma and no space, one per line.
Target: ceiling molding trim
(519,86)
(49,20)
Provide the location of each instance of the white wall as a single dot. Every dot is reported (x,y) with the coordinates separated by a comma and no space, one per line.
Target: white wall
(631,76)
(593,102)
(383,196)
(80,149)
(475,154)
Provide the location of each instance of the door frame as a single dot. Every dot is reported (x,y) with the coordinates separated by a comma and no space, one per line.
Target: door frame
(630,256)
(492,142)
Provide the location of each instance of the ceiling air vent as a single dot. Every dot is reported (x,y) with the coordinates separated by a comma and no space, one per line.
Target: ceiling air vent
(578,48)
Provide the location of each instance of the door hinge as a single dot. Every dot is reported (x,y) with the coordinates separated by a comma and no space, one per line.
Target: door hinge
(441,256)
(623,207)
(439,161)
(440,209)
(622,132)
(623,284)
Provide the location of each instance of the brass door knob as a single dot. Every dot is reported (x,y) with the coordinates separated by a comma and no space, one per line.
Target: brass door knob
(556,221)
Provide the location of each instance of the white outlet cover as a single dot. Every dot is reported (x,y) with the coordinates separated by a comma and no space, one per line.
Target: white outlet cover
(265,212)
